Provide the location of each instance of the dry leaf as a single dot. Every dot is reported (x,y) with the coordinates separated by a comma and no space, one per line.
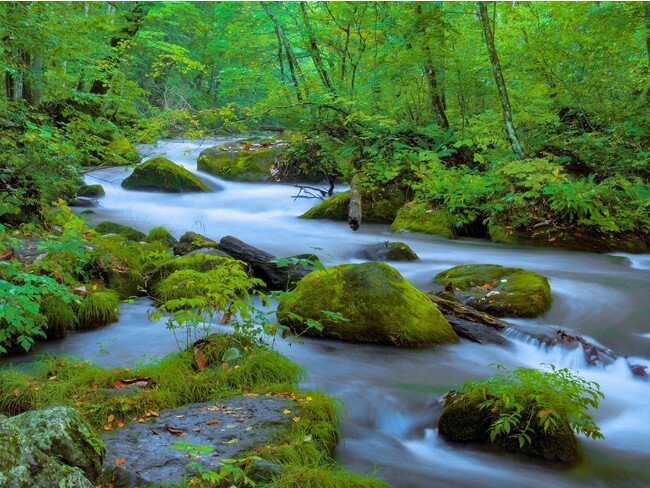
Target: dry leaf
(120,424)
(120,461)
(212,422)
(174,431)
(231,441)
(287,412)
(108,427)
(201,360)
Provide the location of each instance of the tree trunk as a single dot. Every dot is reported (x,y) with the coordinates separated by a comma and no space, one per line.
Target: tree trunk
(294,67)
(264,265)
(314,51)
(500,81)
(431,74)
(37,79)
(354,208)
(647,30)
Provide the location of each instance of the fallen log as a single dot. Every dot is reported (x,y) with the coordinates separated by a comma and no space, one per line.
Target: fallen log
(265,265)
(354,208)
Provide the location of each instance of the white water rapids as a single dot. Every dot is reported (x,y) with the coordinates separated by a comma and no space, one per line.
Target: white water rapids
(390,395)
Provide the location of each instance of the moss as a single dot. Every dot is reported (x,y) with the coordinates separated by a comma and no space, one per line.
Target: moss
(378,206)
(120,152)
(379,304)
(417,217)
(124,230)
(238,165)
(59,316)
(462,420)
(162,235)
(390,251)
(499,290)
(161,174)
(91,191)
(191,241)
(98,309)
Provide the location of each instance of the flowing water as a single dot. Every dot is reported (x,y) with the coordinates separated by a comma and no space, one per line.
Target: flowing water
(391,396)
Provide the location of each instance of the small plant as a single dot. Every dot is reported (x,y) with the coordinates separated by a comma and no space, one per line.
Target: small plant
(525,400)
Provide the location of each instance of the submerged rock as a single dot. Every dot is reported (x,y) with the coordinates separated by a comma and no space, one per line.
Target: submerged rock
(161,174)
(244,165)
(157,452)
(379,304)
(499,290)
(463,421)
(91,191)
(379,207)
(416,217)
(389,251)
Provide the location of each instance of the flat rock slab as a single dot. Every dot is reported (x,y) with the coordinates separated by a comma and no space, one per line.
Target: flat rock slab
(141,453)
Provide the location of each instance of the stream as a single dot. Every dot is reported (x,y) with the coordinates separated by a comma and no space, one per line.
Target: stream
(391,396)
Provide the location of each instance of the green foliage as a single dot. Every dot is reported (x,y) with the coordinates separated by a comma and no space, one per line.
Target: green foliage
(525,399)
(99,308)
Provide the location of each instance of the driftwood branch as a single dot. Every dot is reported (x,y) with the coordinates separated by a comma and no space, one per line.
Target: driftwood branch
(354,208)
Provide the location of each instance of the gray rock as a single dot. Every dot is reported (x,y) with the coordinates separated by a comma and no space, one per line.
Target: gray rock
(230,427)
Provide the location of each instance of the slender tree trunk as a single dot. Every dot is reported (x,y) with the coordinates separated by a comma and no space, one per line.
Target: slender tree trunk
(430,72)
(37,78)
(314,51)
(500,81)
(294,67)
(647,30)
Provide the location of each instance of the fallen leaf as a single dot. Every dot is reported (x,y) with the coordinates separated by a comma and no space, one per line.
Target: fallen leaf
(7,255)
(120,461)
(180,416)
(544,412)
(154,431)
(120,424)
(17,392)
(212,422)
(296,419)
(201,360)
(485,286)
(231,441)
(174,431)
(286,412)
(110,418)
(196,429)
(108,427)
(224,365)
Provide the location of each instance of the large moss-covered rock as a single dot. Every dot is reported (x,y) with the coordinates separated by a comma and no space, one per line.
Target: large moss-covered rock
(244,165)
(120,152)
(463,421)
(389,251)
(378,207)
(379,304)
(124,230)
(23,464)
(499,290)
(91,191)
(61,432)
(161,174)
(417,217)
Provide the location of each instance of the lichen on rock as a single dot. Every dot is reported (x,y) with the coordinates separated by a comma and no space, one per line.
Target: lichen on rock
(379,306)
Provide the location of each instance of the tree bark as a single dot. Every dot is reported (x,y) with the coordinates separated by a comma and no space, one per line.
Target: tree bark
(500,81)
(430,72)
(263,264)
(314,51)
(294,67)
(354,208)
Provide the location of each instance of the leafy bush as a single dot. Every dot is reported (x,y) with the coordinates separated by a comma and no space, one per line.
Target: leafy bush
(525,399)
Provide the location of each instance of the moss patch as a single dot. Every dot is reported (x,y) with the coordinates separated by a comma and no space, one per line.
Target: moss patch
(242,165)
(98,309)
(162,235)
(416,217)
(379,207)
(499,290)
(124,230)
(161,174)
(390,251)
(91,191)
(379,304)
(191,241)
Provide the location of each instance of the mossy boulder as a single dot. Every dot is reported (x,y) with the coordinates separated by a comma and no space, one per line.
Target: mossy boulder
(417,217)
(377,207)
(463,421)
(23,464)
(161,174)
(580,238)
(120,152)
(499,290)
(191,241)
(389,251)
(124,230)
(61,432)
(161,234)
(379,304)
(244,165)
(91,191)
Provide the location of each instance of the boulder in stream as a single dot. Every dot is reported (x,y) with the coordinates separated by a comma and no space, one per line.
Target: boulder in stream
(91,191)
(499,290)
(191,241)
(462,420)
(244,165)
(378,303)
(417,217)
(389,251)
(124,230)
(161,174)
